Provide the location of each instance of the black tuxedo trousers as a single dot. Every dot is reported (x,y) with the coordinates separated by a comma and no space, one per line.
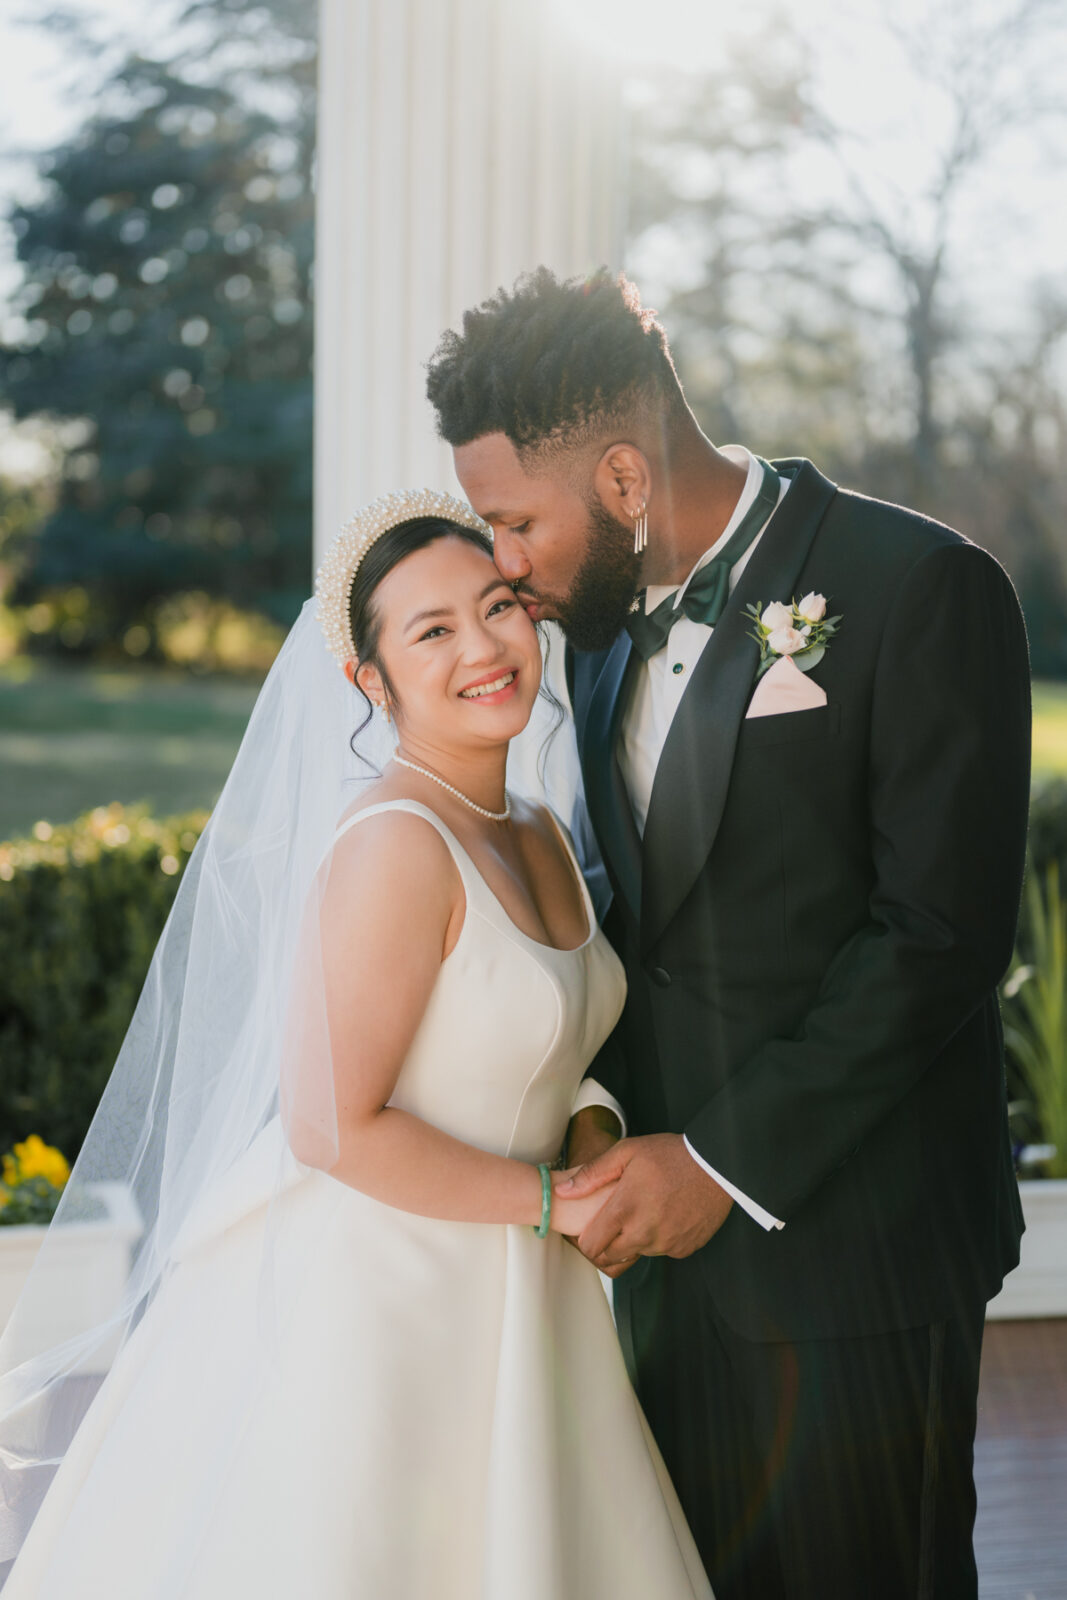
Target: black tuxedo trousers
(813,927)
(816,1469)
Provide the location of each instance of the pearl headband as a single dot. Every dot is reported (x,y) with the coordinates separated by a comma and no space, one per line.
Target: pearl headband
(334,579)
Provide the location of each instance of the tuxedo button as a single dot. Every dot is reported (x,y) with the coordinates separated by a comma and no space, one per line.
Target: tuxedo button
(661,977)
(678,667)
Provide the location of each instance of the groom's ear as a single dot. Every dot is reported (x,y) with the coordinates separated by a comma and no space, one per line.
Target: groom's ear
(623,480)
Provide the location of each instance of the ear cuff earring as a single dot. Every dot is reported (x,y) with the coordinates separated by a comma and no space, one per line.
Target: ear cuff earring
(640,528)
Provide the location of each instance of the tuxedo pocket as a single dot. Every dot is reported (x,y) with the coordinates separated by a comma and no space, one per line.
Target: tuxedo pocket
(787,727)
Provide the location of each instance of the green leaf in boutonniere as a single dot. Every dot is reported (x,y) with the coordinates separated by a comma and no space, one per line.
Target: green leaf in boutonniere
(806,659)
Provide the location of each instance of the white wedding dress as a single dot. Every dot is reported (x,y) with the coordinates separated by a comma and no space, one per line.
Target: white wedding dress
(448,1414)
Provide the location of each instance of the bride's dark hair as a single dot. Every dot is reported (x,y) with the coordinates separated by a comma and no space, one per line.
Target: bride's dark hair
(385,554)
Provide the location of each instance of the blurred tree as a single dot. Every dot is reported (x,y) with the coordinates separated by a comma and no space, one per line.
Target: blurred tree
(841,329)
(767,323)
(706,162)
(22,508)
(166,303)
(1007,476)
(988,68)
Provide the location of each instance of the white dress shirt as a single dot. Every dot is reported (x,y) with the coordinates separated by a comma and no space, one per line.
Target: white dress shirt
(657,691)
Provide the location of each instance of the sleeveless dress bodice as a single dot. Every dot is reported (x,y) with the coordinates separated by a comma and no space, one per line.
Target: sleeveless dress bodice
(445,1411)
(507,1090)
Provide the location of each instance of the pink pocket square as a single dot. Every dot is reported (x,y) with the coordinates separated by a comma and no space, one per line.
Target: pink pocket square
(784,687)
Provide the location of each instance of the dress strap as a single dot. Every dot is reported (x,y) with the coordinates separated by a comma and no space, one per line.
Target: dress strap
(464,865)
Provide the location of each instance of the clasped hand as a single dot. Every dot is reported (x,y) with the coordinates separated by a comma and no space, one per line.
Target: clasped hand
(653,1199)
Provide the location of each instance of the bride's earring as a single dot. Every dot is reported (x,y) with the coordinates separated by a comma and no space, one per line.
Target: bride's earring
(640,517)
(384,709)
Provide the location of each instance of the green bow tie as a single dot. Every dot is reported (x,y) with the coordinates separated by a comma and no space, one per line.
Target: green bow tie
(709,590)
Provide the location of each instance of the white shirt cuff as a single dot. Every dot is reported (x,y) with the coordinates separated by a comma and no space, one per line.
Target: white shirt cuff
(756,1212)
(591,1093)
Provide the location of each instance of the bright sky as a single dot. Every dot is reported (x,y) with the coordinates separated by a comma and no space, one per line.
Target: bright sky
(1013,229)
(44,85)
(1015,224)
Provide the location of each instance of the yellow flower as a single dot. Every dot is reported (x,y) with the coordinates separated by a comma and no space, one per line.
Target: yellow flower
(35,1159)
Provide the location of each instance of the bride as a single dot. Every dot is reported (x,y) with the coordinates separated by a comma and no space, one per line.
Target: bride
(356,1356)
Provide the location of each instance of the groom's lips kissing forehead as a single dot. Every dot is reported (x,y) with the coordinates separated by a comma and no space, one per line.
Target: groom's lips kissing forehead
(535,606)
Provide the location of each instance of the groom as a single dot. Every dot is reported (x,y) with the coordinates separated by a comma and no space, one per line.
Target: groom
(814,832)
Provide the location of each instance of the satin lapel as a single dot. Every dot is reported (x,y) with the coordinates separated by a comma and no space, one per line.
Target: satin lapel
(605,792)
(693,775)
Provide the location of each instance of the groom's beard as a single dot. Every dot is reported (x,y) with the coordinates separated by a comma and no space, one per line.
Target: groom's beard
(595,611)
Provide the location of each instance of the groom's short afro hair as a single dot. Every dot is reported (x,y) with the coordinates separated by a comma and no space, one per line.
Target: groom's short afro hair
(552,363)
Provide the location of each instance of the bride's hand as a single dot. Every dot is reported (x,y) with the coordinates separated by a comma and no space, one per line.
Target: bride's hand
(570,1217)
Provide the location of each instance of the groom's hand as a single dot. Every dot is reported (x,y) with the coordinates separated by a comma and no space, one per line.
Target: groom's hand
(665,1203)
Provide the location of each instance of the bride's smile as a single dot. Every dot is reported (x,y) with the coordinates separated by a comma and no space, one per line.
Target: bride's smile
(495,689)
(449,653)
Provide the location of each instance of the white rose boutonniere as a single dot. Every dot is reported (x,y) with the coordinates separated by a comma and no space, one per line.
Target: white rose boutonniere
(812,608)
(800,630)
(776,615)
(788,641)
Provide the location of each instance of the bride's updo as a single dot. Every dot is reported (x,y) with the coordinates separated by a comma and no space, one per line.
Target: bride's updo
(385,554)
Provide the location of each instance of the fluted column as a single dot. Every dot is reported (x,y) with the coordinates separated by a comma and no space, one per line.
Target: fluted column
(460,142)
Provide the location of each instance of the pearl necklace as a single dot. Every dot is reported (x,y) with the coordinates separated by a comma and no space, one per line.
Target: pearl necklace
(494,816)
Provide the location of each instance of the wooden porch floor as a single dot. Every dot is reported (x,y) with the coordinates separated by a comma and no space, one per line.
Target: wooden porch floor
(1021,1462)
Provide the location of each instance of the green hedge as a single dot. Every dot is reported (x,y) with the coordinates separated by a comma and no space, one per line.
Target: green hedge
(81,908)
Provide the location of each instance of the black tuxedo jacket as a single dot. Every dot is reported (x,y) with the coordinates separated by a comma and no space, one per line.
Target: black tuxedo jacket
(816,919)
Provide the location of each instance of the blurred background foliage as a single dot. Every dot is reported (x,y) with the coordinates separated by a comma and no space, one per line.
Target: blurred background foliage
(1034,999)
(164,321)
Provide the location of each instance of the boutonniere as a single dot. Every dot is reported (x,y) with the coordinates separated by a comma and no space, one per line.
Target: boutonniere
(801,630)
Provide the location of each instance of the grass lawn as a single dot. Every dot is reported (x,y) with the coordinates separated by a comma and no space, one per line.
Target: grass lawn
(76,737)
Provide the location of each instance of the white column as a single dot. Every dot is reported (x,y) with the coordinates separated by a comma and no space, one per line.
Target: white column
(460,143)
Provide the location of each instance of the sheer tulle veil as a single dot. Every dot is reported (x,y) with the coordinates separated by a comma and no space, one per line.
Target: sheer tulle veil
(223,1087)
